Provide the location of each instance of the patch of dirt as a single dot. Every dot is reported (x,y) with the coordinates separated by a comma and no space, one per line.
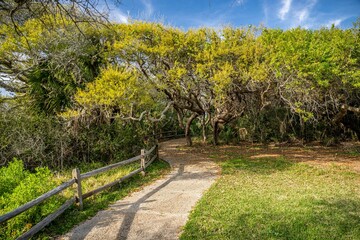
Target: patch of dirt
(346,154)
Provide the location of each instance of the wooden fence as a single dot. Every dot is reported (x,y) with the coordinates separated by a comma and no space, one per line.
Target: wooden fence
(145,158)
(168,135)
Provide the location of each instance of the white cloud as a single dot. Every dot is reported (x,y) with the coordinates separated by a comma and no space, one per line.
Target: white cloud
(335,22)
(297,13)
(285,8)
(301,15)
(149,9)
(239,2)
(118,16)
(113,11)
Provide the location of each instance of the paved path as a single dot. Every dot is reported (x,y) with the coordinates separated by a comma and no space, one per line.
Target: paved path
(160,210)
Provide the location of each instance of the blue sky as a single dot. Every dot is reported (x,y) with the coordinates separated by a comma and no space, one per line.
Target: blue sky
(283,14)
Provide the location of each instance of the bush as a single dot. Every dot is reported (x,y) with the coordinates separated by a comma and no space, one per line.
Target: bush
(11,176)
(19,186)
(36,139)
(41,140)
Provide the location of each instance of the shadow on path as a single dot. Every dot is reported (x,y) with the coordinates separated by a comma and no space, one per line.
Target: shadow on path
(159,210)
(133,209)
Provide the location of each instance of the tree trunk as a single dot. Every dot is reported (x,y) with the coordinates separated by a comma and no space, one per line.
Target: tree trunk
(203,123)
(187,129)
(216,133)
(180,117)
(352,122)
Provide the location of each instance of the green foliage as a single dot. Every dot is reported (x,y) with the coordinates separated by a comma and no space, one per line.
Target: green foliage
(312,65)
(100,74)
(108,142)
(229,135)
(227,73)
(48,141)
(116,88)
(11,176)
(36,139)
(50,71)
(22,188)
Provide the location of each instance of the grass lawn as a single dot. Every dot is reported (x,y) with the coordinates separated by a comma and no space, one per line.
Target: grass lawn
(277,198)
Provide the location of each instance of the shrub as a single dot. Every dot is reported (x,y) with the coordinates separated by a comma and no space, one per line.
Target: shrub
(41,140)
(11,176)
(22,186)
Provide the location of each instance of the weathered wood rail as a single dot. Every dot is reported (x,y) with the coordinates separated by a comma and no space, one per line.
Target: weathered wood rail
(146,158)
(169,135)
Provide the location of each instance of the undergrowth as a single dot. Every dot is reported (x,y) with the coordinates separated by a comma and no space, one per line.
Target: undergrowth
(19,186)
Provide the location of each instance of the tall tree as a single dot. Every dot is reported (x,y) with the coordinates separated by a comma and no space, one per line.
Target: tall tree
(50,71)
(316,72)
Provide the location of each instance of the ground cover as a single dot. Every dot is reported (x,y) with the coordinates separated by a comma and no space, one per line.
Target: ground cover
(280,192)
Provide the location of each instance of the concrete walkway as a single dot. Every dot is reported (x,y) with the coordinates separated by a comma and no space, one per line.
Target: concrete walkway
(160,210)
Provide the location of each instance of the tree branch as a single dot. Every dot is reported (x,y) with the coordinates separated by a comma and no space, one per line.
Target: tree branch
(145,113)
(10,88)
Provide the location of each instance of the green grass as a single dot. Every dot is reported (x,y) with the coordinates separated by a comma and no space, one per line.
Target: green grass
(92,205)
(273,198)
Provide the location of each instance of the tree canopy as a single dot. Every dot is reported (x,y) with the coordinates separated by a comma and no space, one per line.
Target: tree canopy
(217,76)
(224,74)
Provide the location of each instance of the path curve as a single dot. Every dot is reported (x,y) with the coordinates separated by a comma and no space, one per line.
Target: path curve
(160,210)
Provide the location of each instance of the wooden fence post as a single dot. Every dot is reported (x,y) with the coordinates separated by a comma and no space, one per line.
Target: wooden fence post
(157,151)
(78,194)
(142,163)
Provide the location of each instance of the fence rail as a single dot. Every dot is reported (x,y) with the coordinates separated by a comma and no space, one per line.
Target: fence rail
(36,201)
(109,167)
(78,196)
(169,135)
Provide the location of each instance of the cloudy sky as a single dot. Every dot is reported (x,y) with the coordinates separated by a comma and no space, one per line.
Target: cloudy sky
(216,13)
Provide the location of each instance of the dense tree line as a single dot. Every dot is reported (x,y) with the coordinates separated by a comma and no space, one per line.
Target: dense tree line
(306,80)
(87,86)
